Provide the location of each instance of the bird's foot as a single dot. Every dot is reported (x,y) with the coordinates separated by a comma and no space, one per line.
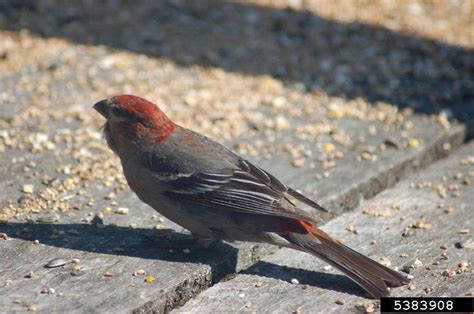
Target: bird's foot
(181,241)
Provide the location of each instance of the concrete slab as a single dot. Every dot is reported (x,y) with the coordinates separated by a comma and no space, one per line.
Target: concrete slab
(336,152)
(423,225)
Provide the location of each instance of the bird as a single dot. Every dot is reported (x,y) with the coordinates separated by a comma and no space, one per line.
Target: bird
(216,194)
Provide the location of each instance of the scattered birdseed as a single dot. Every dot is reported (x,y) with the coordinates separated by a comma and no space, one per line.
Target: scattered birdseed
(413,143)
(57,262)
(463,231)
(366,306)
(420,224)
(298,310)
(298,162)
(417,264)
(31,308)
(149,279)
(463,264)
(31,275)
(411,287)
(258,284)
(352,229)
(448,272)
(108,274)
(47,290)
(339,302)
(449,209)
(328,148)
(122,211)
(385,261)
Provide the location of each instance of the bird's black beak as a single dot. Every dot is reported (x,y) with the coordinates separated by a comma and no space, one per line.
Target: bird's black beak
(102,107)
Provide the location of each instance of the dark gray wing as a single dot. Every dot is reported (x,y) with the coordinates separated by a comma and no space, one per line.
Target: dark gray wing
(247,189)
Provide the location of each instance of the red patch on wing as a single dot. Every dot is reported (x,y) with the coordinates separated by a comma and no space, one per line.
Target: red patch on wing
(303,226)
(309,227)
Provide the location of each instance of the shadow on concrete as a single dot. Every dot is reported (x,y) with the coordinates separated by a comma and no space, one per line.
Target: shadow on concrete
(321,280)
(143,243)
(123,241)
(348,60)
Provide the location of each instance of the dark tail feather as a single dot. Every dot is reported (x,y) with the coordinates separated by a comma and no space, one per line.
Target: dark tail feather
(370,275)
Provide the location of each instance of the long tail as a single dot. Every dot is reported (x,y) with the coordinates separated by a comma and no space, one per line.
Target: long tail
(370,275)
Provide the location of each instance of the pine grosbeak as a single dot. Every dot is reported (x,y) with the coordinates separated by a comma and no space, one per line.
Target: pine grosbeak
(216,194)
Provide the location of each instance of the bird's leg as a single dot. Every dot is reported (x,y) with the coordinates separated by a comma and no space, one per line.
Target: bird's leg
(208,243)
(192,241)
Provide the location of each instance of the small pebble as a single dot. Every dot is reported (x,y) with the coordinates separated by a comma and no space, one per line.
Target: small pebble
(76,273)
(31,308)
(27,188)
(463,231)
(340,302)
(122,211)
(139,272)
(108,274)
(57,262)
(295,281)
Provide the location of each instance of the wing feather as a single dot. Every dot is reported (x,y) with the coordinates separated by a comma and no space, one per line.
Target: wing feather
(247,189)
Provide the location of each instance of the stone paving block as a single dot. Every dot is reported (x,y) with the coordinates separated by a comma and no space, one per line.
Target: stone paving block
(335,151)
(423,226)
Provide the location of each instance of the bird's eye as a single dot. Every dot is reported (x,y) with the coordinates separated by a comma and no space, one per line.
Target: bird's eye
(118,112)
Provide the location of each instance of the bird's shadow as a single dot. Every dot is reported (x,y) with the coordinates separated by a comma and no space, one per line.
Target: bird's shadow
(143,243)
(321,280)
